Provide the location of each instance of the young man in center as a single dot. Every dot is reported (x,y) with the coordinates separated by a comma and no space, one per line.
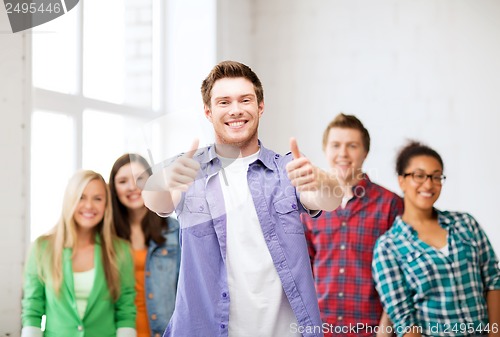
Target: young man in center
(245,268)
(341,242)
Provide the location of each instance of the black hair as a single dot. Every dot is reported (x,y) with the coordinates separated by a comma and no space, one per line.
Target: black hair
(414,149)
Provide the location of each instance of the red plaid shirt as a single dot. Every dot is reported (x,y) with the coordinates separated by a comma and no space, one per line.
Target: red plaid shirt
(341,250)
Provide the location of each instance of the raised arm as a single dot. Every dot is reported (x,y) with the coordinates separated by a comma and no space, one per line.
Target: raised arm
(163,189)
(319,190)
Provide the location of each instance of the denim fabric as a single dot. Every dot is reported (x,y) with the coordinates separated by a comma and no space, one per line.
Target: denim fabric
(162,271)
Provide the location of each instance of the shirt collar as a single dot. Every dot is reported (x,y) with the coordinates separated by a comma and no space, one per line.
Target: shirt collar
(364,180)
(206,155)
(444,220)
(401,227)
(266,156)
(363,185)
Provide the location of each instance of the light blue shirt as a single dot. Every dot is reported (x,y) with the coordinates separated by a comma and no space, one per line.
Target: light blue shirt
(202,303)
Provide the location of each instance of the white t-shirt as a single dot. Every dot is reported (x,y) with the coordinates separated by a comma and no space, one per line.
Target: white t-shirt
(445,250)
(258,304)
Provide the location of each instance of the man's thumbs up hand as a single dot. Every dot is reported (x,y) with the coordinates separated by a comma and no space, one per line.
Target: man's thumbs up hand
(300,171)
(179,175)
(319,189)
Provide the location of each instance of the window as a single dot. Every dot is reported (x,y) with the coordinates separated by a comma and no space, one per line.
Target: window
(113,77)
(52,161)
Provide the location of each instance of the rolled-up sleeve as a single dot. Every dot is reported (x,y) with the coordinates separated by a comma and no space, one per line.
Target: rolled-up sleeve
(490,270)
(389,280)
(33,302)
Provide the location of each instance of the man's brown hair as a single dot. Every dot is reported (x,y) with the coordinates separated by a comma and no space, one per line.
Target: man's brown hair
(230,69)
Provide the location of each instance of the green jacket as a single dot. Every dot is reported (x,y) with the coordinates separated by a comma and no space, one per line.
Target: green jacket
(102,316)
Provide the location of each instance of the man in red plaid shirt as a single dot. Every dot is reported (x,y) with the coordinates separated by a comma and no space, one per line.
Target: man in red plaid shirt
(341,242)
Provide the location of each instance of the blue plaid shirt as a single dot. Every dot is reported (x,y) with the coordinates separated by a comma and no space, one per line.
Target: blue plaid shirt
(422,287)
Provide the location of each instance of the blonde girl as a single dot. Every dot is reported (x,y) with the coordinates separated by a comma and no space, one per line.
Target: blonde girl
(80,275)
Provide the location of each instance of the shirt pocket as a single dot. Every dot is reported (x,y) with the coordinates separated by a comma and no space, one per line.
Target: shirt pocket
(468,250)
(288,213)
(165,258)
(418,269)
(196,218)
(469,259)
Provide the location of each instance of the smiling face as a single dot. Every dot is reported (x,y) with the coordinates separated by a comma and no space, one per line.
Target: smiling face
(125,185)
(235,112)
(421,196)
(345,153)
(89,211)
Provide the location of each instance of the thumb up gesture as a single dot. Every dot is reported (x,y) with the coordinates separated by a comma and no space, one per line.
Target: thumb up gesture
(182,172)
(163,189)
(318,189)
(301,171)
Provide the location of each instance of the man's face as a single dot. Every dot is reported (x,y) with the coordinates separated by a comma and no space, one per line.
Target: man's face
(345,153)
(234,112)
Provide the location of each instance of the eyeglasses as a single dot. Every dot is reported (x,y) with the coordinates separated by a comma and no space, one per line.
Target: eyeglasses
(421,177)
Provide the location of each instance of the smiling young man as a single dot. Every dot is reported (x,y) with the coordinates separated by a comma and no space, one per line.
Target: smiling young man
(245,268)
(341,242)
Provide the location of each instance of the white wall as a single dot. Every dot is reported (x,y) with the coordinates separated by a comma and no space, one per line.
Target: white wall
(421,69)
(427,70)
(14,151)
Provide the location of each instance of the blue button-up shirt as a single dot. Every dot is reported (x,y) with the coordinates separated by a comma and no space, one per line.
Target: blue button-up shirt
(202,303)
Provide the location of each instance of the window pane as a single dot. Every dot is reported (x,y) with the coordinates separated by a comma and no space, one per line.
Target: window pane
(106,136)
(55,47)
(117,58)
(158,56)
(52,158)
(191,30)
(166,137)
(103,135)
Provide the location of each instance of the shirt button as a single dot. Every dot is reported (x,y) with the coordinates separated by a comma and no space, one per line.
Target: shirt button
(294,206)
(153,317)
(200,208)
(150,296)
(157,335)
(341,270)
(343,225)
(341,294)
(164,251)
(342,247)
(80,328)
(340,318)
(224,295)
(222,326)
